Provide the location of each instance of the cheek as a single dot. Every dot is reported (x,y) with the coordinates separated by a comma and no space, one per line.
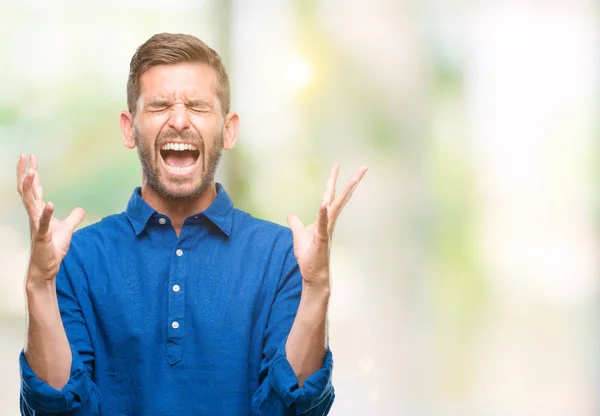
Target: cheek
(148,132)
(211,132)
(206,125)
(143,142)
(152,124)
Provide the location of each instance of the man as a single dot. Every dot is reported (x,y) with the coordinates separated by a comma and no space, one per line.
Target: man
(181,304)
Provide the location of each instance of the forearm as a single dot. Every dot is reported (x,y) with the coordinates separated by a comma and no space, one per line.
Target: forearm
(47,348)
(307,342)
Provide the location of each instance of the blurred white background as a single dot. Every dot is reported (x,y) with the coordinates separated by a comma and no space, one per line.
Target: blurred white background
(466,267)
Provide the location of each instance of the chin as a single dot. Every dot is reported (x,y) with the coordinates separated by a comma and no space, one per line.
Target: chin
(181,192)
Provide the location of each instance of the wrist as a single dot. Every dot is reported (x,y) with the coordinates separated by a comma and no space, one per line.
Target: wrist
(39,283)
(316,295)
(317,286)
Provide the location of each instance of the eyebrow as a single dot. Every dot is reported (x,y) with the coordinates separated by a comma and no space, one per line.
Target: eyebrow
(157,103)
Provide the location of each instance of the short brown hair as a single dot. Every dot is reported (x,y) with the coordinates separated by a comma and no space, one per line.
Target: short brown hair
(168,48)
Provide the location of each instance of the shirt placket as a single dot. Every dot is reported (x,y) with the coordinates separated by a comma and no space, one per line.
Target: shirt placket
(176,304)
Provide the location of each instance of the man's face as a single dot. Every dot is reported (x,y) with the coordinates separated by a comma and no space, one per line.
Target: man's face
(178,129)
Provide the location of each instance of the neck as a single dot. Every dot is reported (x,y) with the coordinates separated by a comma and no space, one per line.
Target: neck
(179,209)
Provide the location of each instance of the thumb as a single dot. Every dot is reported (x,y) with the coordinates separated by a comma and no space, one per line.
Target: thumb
(75,218)
(295,224)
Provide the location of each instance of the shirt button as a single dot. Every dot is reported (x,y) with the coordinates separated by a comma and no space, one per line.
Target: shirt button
(175,324)
(179,252)
(162,221)
(176,288)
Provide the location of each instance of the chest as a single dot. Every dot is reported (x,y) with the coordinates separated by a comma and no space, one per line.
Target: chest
(185,297)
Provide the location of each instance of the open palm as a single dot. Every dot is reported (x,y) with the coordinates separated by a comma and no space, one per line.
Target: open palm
(50,237)
(312,242)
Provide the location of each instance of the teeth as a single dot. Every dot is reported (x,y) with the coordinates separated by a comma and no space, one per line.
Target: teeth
(178,146)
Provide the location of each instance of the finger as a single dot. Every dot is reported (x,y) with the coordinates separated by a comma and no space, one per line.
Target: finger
(295,224)
(346,193)
(33,162)
(44,223)
(31,206)
(74,218)
(38,192)
(322,234)
(329,192)
(21,165)
(28,198)
(344,196)
(336,170)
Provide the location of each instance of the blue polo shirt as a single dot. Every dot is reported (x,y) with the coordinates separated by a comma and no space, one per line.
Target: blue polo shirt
(188,325)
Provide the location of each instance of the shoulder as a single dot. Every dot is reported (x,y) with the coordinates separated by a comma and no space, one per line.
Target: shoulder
(100,236)
(260,230)
(93,248)
(263,239)
(110,225)
(269,241)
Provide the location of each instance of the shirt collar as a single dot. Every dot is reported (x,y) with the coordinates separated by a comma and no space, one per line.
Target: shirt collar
(138,211)
(220,212)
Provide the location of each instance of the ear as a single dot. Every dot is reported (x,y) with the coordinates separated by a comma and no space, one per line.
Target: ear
(230,131)
(127,129)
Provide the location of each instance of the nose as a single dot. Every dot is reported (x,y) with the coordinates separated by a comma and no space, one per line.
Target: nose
(178,119)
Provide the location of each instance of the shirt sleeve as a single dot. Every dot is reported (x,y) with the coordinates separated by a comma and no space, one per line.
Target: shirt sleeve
(279,393)
(80,395)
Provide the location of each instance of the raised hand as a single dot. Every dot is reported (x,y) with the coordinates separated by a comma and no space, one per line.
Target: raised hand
(50,237)
(312,243)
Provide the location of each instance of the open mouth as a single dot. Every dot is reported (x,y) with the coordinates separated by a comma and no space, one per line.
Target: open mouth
(179,157)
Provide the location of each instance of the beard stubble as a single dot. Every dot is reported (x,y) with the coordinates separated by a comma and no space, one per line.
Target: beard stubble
(152,173)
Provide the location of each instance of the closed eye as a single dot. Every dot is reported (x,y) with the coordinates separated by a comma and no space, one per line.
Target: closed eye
(157,106)
(199,106)
(199,109)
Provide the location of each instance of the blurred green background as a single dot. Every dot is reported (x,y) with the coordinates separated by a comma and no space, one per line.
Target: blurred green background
(466,266)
